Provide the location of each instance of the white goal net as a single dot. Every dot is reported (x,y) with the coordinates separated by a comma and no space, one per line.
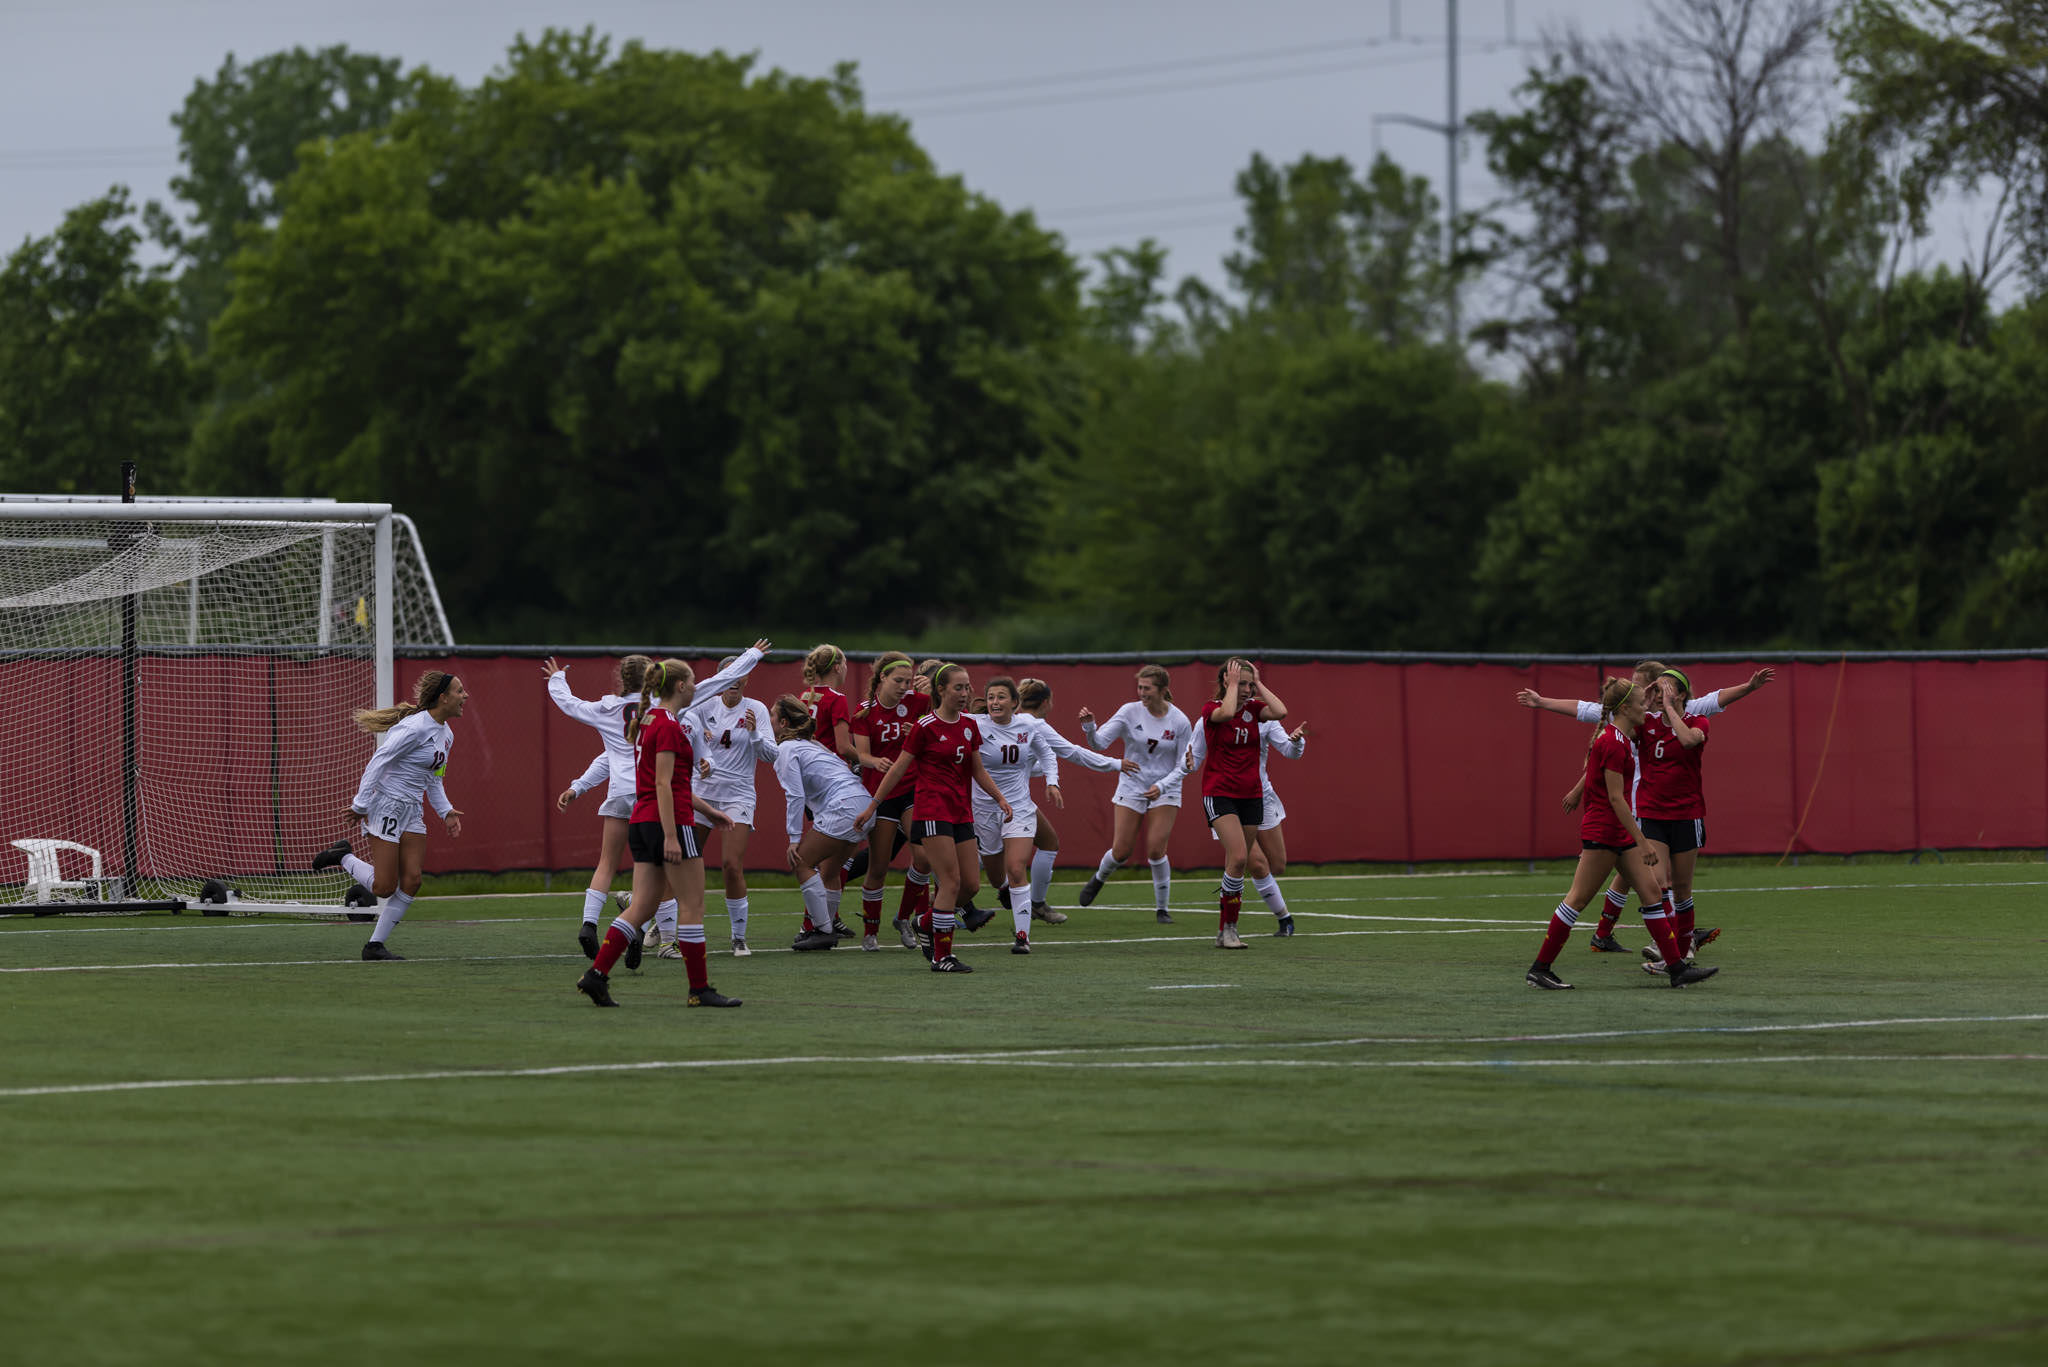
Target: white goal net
(179,678)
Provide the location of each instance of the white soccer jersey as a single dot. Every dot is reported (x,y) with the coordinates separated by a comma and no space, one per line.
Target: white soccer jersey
(607,716)
(1156,743)
(408,766)
(598,775)
(1272,736)
(1705,705)
(732,749)
(1009,752)
(812,776)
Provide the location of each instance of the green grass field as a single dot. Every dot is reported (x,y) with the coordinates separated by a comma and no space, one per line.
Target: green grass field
(232,1142)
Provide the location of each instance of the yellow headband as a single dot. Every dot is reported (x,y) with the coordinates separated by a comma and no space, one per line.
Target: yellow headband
(1625,693)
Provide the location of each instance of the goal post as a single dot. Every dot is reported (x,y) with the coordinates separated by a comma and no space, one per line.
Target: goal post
(181,676)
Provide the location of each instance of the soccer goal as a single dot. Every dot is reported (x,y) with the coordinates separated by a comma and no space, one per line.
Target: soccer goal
(179,676)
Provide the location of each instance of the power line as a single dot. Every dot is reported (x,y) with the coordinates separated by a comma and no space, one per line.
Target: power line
(1111,73)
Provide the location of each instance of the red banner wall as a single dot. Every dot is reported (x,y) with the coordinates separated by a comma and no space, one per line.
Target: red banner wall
(1405,762)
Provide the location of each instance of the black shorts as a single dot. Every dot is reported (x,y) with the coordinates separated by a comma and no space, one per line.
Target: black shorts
(894,807)
(1250,811)
(644,839)
(1618,849)
(921,831)
(1679,834)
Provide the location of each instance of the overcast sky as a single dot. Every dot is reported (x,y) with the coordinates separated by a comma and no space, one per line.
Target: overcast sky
(1113,119)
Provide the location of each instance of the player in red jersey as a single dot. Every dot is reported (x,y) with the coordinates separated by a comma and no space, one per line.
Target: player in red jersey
(1233,799)
(667,860)
(1672,803)
(824,677)
(1691,709)
(1609,838)
(879,728)
(945,748)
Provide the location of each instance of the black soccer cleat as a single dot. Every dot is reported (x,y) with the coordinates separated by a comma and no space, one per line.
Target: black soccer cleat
(330,858)
(974,918)
(1163,916)
(924,941)
(635,946)
(374,952)
(597,987)
(815,939)
(1539,975)
(1702,938)
(707,995)
(1607,944)
(843,931)
(1688,973)
(950,964)
(358,896)
(587,938)
(1003,896)
(1285,930)
(1022,945)
(1089,889)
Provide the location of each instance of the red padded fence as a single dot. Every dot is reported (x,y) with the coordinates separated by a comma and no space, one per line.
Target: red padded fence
(1406,762)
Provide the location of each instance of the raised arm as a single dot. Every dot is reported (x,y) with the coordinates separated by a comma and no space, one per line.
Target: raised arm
(1689,736)
(1105,735)
(1059,745)
(1275,709)
(1729,696)
(1564,707)
(589,713)
(1279,742)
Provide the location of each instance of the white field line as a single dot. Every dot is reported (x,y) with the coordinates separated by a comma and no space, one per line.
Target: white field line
(1051,1057)
(1202,938)
(1189,987)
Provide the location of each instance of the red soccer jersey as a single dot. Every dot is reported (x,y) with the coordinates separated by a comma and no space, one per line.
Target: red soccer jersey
(1597,821)
(1232,769)
(828,709)
(660,731)
(1670,788)
(944,750)
(886,729)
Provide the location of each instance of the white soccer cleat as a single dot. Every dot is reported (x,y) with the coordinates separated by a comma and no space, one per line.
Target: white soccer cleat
(739,948)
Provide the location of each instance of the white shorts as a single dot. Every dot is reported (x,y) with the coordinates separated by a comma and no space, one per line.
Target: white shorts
(839,823)
(739,806)
(390,819)
(620,806)
(990,830)
(1275,813)
(1130,792)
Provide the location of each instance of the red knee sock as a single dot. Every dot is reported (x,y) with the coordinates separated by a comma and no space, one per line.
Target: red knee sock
(1665,934)
(1230,907)
(612,950)
(1561,922)
(871,910)
(693,960)
(1681,917)
(942,942)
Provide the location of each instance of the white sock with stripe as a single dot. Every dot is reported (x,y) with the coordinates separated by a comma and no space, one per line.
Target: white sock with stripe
(1110,864)
(389,914)
(1269,888)
(813,889)
(359,869)
(1041,873)
(736,908)
(1162,881)
(1020,909)
(665,918)
(593,904)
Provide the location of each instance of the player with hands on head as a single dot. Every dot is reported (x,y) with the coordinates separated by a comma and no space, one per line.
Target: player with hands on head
(1269,844)
(1232,798)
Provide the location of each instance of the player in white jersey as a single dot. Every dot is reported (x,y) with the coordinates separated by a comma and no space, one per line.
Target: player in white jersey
(1014,745)
(732,735)
(407,768)
(1268,855)
(816,778)
(1155,733)
(609,716)
(1034,697)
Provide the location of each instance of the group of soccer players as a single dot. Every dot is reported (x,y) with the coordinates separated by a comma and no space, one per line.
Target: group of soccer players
(929,765)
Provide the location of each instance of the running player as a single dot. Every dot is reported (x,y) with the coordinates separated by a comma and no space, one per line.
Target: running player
(1609,838)
(1269,847)
(1232,799)
(408,766)
(1013,745)
(1155,733)
(735,735)
(608,716)
(892,707)
(668,862)
(945,747)
(814,778)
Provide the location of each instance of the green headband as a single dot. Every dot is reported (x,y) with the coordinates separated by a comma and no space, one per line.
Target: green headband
(1683,682)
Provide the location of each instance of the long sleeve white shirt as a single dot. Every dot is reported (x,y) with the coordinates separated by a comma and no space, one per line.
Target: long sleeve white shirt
(409,765)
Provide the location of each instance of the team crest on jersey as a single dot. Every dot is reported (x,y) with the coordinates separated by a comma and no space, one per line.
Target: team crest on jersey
(1246,714)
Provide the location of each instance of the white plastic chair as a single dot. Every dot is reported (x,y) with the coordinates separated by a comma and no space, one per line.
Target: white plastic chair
(46,874)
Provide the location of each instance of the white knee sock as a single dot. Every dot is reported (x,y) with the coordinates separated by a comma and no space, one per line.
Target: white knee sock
(389,914)
(1110,864)
(1020,909)
(832,896)
(736,908)
(1269,888)
(665,918)
(359,869)
(813,889)
(1041,874)
(1162,880)
(593,903)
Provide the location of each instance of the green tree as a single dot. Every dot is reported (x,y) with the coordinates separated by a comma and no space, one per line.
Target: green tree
(644,337)
(239,136)
(92,370)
